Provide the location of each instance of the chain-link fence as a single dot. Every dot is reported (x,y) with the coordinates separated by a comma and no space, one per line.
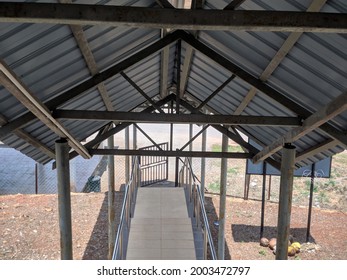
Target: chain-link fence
(20,174)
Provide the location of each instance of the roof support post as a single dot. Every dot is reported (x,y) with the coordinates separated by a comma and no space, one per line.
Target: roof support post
(110,199)
(64,200)
(285,201)
(310,203)
(222,201)
(203,163)
(127,162)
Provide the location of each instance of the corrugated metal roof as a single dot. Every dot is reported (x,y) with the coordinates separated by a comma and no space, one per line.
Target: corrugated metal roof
(48,60)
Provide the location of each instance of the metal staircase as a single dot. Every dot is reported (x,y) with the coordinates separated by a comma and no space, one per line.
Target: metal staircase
(159,220)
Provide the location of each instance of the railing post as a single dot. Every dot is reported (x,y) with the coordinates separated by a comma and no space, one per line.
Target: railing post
(197,209)
(176,171)
(205,243)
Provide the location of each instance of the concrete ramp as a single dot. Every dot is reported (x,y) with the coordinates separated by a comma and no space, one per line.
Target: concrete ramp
(161,228)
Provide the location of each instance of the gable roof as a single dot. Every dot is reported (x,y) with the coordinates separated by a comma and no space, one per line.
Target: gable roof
(302,71)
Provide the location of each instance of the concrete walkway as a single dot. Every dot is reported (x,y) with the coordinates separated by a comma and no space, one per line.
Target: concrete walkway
(161,228)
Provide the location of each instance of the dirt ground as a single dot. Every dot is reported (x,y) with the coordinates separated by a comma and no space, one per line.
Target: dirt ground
(29,228)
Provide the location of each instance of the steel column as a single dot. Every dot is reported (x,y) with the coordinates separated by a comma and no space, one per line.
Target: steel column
(310,203)
(285,201)
(111,203)
(263,201)
(191,149)
(222,201)
(203,163)
(246,189)
(64,200)
(127,167)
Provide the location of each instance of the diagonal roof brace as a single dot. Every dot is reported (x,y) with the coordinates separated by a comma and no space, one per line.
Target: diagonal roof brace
(13,84)
(331,110)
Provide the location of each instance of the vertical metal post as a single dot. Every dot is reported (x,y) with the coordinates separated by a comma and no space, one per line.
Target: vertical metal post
(203,164)
(36,178)
(246,190)
(263,201)
(205,243)
(127,168)
(285,201)
(269,191)
(111,205)
(222,201)
(310,203)
(176,171)
(64,200)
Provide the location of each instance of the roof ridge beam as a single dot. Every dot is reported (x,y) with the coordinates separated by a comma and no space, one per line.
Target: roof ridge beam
(331,110)
(199,19)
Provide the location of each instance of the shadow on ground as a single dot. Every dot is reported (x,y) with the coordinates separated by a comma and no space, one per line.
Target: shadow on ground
(250,233)
(212,217)
(97,247)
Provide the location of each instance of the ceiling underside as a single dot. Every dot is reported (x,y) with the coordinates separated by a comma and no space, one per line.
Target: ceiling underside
(61,65)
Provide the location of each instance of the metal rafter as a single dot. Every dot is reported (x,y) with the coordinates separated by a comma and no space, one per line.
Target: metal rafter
(176,118)
(213,94)
(188,56)
(321,147)
(83,44)
(193,138)
(164,67)
(288,44)
(134,85)
(260,85)
(331,110)
(164,4)
(90,83)
(234,4)
(30,139)
(148,137)
(201,19)
(17,88)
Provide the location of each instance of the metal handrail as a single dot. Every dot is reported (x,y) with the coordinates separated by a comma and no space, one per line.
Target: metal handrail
(127,208)
(198,201)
